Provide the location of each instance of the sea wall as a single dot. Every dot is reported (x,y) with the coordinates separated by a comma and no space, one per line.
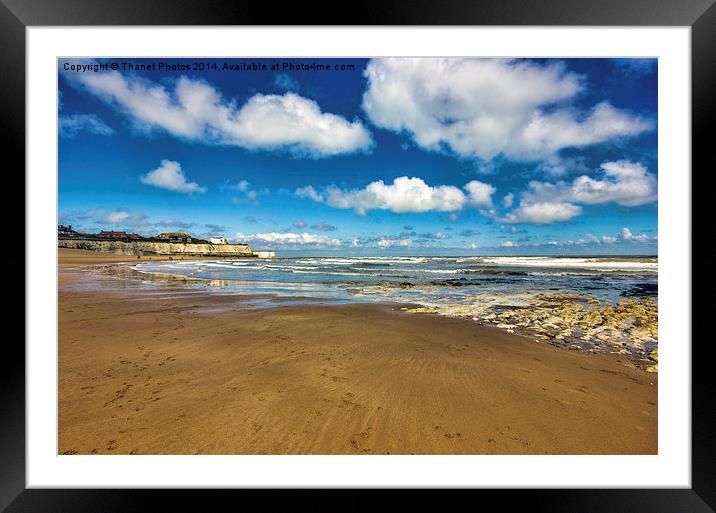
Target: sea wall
(157,248)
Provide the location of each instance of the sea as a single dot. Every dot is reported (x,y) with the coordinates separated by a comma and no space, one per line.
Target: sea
(587,302)
(424,280)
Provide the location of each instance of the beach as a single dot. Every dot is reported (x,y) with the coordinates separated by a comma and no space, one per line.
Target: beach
(182,371)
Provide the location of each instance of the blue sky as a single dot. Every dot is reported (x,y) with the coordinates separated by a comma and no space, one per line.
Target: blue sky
(383,156)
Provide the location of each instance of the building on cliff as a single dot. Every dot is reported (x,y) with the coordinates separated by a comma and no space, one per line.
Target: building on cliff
(219,240)
(66,231)
(111,235)
(175,237)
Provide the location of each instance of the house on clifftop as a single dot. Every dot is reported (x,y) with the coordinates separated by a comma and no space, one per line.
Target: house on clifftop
(66,231)
(175,237)
(118,235)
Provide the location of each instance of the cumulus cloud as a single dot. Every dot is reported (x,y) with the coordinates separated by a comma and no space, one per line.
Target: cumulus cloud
(489,107)
(404,195)
(508,244)
(542,213)
(479,194)
(310,193)
(627,235)
(624,183)
(196,110)
(169,175)
(288,238)
(69,125)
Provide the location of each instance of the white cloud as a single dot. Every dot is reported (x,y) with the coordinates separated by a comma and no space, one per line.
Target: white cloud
(310,193)
(299,223)
(606,239)
(402,196)
(507,200)
(124,218)
(386,243)
(624,183)
(241,186)
(169,175)
(626,234)
(116,217)
(542,213)
(479,193)
(245,196)
(489,107)
(557,165)
(283,239)
(508,244)
(197,111)
(69,125)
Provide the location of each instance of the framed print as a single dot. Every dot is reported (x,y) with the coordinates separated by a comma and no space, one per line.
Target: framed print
(449,249)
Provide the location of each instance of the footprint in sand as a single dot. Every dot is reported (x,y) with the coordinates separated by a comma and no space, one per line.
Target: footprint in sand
(358,441)
(508,433)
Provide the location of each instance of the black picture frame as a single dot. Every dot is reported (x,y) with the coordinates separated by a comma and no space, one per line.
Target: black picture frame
(700,15)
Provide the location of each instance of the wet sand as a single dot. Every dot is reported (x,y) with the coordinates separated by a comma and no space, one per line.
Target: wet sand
(173,371)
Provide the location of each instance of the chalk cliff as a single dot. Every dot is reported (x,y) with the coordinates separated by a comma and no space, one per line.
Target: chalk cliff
(157,248)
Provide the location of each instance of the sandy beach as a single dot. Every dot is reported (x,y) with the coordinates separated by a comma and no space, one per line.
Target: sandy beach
(179,371)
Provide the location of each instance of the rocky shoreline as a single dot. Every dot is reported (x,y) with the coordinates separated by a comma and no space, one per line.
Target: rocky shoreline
(629,327)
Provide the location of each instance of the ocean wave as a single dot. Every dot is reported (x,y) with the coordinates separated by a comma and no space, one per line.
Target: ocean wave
(585,263)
